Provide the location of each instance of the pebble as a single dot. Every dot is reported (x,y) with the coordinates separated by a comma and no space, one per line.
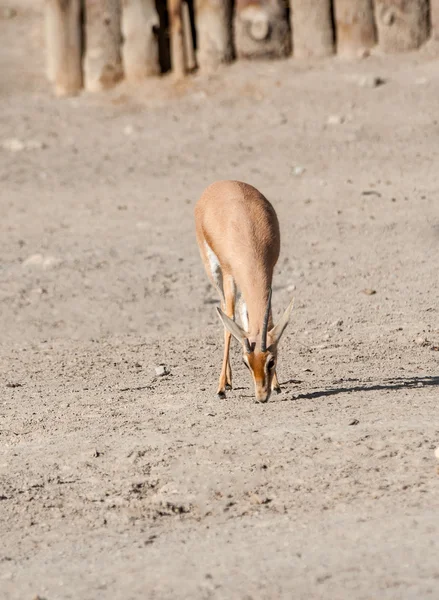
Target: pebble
(337,323)
(38,260)
(199,96)
(421,341)
(161,371)
(335,120)
(298,170)
(371,81)
(436,453)
(13,145)
(16,145)
(369,292)
(256,499)
(8,13)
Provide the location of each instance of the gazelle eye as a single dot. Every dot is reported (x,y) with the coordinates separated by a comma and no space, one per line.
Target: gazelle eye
(270,364)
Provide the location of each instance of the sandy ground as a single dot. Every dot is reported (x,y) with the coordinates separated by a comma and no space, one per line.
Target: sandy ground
(117,484)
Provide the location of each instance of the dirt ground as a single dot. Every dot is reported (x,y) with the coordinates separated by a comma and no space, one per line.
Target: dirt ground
(117,484)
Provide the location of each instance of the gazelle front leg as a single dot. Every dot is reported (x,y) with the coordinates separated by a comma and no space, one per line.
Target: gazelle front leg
(275,387)
(225,380)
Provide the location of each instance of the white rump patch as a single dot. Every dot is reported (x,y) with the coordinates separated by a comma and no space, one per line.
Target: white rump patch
(215,269)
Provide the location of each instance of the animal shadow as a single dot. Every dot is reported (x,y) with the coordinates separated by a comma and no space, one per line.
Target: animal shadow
(395,383)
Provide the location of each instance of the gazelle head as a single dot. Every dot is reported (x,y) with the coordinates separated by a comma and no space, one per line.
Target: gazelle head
(260,352)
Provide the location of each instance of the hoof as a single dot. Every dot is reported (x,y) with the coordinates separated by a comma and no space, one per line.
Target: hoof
(277,389)
(228,386)
(221,395)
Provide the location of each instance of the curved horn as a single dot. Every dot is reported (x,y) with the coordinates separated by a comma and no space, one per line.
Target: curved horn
(265,324)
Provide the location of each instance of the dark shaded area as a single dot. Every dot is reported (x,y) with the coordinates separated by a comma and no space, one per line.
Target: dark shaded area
(397,383)
(163,34)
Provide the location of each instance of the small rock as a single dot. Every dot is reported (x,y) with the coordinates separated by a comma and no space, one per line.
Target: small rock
(421,341)
(369,291)
(51,261)
(291,287)
(38,260)
(161,371)
(35,259)
(335,120)
(326,336)
(8,13)
(434,348)
(436,453)
(371,81)
(363,53)
(128,130)
(16,145)
(298,171)
(199,96)
(13,145)
(256,499)
(337,323)
(354,422)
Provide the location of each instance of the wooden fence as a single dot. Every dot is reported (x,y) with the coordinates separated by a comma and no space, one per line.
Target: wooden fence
(95,43)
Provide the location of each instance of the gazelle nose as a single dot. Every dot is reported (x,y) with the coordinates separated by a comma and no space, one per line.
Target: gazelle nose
(263,398)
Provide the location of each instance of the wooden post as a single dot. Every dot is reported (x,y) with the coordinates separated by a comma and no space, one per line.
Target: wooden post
(355,27)
(262,28)
(401,26)
(214,32)
(189,50)
(434,19)
(177,38)
(140,50)
(64,45)
(102,61)
(311,22)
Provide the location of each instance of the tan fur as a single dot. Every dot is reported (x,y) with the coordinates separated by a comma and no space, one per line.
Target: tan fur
(241,228)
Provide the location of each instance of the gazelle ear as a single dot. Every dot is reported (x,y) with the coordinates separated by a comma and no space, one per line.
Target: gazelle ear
(232,327)
(280,327)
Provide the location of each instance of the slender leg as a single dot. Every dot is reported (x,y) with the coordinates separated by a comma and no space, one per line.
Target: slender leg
(275,384)
(225,380)
(229,374)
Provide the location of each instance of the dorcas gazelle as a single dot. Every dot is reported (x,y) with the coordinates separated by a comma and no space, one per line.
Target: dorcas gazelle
(238,236)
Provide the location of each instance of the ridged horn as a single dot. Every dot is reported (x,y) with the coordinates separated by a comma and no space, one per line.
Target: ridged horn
(265,324)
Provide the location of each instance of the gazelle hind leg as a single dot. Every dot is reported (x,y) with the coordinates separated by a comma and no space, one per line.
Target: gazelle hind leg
(225,380)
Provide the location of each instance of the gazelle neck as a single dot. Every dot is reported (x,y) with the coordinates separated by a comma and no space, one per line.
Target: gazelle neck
(256,309)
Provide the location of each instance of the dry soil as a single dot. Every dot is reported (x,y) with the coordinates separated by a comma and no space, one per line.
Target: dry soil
(118,484)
